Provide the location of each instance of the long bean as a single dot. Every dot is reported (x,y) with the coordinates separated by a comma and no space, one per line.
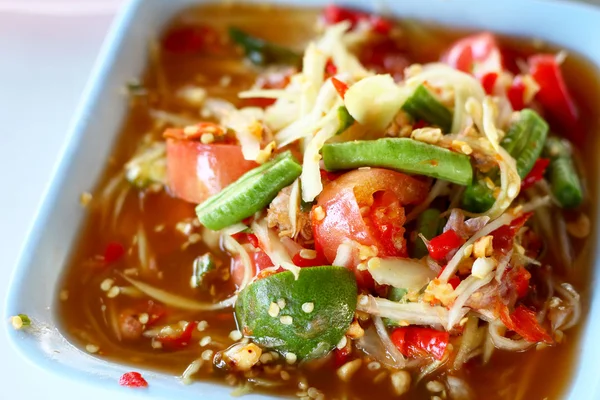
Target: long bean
(401,154)
(428,224)
(564,181)
(422,105)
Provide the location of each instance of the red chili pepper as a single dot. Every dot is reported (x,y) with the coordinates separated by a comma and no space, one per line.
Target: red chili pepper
(553,94)
(334,14)
(488,81)
(180,338)
(520,281)
(524,322)
(341,356)
(190,39)
(302,262)
(413,341)
(340,86)
(253,239)
(330,68)
(133,380)
(113,252)
(516,93)
(454,282)
(536,174)
(440,246)
(505,235)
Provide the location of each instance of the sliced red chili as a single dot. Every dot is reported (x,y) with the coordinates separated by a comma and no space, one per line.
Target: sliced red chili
(253,239)
(524,322)
(330,68)
(113,252)
(181,337)
(536,174)
(133,379)
(413,341)
(488,81)
(440,246)
(302,262)
(340,87)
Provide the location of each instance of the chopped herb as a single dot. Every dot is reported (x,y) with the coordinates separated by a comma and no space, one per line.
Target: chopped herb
(20,321)
(345,118)
(261,52)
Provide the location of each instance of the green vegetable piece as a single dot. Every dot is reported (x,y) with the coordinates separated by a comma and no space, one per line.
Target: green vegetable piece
(20,321)
(564,180)
(428,224)
(401,154)
(201,267)
(319,307)
(525,140)
(261,52)
(478,198)
(396,294)
(423,106)
(346,120)
(252,192)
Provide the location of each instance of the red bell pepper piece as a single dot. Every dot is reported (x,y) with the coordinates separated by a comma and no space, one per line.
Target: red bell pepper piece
(113,252)
(413,341)
(536,174)
(440,246)
(553,94)
(523,321)
(133,379)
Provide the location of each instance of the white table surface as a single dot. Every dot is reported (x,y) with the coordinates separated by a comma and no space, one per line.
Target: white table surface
(47,49)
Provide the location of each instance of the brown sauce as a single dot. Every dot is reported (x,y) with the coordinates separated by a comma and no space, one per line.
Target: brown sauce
(86,314)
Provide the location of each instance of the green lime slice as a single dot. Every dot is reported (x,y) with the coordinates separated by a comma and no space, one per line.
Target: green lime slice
(307,317)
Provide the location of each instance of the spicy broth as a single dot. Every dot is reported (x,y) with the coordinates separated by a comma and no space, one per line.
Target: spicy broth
(151,224)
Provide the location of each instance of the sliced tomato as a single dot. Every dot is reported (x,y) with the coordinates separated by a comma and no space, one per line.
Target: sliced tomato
(524,322)
(381,221)
(271,80)
(414,341)
(385,57)
(516,93)
(554,94)
(477,54)
(196,171)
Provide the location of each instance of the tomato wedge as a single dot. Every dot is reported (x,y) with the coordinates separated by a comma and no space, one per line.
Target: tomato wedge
(414,341)
(554,94)
(366,207)
(477,54)
(196,171)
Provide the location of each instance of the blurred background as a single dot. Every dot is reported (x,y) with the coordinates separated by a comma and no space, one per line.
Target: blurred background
(47,50)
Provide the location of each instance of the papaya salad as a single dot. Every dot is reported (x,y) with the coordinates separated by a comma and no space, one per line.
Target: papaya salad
(366,208)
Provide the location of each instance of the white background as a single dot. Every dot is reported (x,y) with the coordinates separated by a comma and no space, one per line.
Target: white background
(47,49)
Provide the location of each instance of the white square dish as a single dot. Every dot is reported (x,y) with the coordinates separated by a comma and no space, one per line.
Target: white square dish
(98,122)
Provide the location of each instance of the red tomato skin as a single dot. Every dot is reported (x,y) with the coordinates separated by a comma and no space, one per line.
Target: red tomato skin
(133,379)
(260,261)
(477,54)
(196,171)
(413,341)
(341,202)
(554,94)
(516,93)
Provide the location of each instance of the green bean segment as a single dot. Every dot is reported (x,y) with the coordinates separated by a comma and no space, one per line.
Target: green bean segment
(564,181)
(423,106)
(261,52)
(249,194)
(401,154)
